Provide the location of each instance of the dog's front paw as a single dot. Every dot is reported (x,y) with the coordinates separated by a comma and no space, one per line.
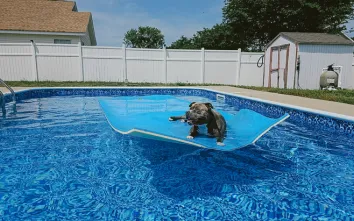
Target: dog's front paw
(170,119)
(183,121)
(190,137)
(220,144)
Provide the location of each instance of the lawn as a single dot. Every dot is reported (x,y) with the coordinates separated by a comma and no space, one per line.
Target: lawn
(342,96)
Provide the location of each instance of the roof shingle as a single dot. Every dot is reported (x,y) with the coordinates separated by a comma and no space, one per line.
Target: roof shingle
(42,16)
(316,38)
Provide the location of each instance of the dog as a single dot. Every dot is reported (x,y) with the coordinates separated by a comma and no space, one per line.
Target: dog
(204,113)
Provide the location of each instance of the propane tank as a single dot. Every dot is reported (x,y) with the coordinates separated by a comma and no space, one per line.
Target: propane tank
(329,78)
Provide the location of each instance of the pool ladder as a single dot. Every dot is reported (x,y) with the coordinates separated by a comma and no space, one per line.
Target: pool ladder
(2,97)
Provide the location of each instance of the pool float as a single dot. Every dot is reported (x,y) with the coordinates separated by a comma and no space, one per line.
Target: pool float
(147,117)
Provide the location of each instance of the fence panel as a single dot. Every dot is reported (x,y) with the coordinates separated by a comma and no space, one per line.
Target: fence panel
(58,62)
(220,67)
(53,62)
(103,64)
(184,66)
(16,62)
(251,75)
(145,65)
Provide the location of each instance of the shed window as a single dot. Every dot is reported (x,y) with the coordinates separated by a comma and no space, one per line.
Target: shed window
(62,41)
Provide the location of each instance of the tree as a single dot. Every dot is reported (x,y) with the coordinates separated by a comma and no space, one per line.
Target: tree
(250,25)
(218,37)
(182,43)
(257,22)
(144,37)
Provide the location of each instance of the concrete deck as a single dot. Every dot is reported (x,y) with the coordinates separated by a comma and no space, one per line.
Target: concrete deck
(328,106)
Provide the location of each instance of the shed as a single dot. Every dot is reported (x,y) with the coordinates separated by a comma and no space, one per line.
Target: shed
(296,60)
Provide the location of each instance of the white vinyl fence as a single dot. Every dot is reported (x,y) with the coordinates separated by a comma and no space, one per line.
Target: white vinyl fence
(54,62)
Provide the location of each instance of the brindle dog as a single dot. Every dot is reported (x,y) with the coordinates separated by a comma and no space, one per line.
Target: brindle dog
(204,113)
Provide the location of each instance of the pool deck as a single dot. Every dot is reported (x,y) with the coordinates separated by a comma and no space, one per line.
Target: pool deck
(328,106)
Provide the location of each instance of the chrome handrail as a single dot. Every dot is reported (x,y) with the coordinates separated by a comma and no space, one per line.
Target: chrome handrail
(2,98)
(10,89)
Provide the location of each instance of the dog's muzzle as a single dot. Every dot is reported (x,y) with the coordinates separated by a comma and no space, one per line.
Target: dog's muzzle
(194,118)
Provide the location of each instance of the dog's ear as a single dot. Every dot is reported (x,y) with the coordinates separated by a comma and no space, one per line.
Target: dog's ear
(209,105)
(192,104)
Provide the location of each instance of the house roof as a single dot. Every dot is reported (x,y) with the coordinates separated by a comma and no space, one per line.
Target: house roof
(315,38)
(45,16)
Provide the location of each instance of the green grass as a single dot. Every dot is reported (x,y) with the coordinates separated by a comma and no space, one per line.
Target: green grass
(342,96)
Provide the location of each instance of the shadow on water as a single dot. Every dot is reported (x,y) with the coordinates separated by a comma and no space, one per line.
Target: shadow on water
(184,172)
(8,110)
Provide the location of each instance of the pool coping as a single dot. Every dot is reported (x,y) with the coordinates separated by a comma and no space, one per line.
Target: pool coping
(336,116)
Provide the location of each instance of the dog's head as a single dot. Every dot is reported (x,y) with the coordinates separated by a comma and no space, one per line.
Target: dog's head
(199,113)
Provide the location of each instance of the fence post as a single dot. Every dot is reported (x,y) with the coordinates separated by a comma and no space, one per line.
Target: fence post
(81,63)
(125,63)
(203,65)
(34,61)
(165,62)
(238,70)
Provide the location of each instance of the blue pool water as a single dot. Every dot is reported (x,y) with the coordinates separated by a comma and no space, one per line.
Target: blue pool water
(60,160)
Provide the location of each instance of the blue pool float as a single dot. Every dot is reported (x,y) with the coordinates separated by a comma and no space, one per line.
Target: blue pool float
(147,117)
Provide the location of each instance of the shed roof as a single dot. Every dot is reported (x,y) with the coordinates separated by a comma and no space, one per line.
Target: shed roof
(315,38)
(44,16)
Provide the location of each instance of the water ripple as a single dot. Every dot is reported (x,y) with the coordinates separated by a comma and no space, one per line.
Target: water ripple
(60,160)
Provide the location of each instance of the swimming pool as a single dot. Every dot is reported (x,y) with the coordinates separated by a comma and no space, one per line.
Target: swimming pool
(60,159)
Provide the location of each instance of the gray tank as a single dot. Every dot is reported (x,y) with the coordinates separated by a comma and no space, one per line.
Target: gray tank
(329,79)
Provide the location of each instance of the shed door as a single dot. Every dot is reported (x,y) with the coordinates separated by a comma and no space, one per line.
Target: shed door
(274,71)
(279,65)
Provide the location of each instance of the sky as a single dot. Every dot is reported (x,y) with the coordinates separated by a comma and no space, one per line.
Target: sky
(113,18)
